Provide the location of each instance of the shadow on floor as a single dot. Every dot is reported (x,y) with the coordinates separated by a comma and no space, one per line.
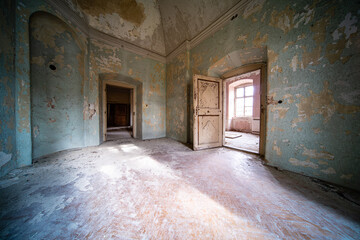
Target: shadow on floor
(133,189)
(263,194)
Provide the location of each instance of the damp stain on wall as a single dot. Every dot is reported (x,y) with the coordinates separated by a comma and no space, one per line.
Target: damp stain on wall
(136,21)
(148,75)
(176,98)
(311,50)
(7,88)
(129,10)
(56,91)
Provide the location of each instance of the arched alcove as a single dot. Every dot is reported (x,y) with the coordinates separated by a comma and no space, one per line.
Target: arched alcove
(57,63)
(237,59)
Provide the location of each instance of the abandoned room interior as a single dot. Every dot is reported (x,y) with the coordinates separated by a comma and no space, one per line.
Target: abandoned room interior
(168,119)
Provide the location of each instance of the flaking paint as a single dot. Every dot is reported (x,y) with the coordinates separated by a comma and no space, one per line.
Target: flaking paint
(149,77)
(135,21)
(311,48)
(148,73)
(312,52)
(7,87)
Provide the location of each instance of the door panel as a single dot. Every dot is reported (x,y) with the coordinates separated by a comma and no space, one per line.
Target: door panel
(208,129)
(207,96)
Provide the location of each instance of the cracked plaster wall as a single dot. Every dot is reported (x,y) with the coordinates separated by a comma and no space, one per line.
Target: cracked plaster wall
(147,74)
(178,96)
(58,109)
(135,21)
(24,130)
(7,87)
(183,20)
(312,55)
(311,49)
(99,59)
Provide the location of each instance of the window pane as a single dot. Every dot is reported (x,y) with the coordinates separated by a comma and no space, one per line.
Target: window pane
(239,107)
(239,92)
(248,111)
(248,102)
(249,91)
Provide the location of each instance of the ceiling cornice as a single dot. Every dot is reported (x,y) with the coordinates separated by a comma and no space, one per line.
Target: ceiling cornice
(61,7)
(219,23)
(116,42)
(92,33)
(181,48)
(210,30)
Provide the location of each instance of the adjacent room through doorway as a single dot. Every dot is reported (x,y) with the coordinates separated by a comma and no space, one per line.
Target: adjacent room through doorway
(118,113)
(242,120)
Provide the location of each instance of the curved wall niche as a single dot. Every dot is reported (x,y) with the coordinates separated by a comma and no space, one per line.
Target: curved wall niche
(57,69)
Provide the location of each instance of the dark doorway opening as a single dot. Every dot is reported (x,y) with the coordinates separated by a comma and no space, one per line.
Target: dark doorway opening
(118,115)
(118,112)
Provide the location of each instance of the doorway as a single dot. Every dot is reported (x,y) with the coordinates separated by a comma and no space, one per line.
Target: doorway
(212,107)
(244,115)
(118,112)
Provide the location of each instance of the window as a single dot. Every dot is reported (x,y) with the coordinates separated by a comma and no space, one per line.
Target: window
(244,101)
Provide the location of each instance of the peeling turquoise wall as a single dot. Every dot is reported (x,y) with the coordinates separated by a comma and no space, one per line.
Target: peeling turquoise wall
(312,52)
(7,87)
(126,67)
(85,100)
(56,94)
(24,10)
(178,96)
(313,57)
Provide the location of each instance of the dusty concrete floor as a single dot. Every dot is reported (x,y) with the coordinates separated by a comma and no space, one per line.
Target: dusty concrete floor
(247,141)
(118,133)
(160,189)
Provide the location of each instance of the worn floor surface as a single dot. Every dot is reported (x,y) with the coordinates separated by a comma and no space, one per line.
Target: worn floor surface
(118,133)
(247,141)
(160,189)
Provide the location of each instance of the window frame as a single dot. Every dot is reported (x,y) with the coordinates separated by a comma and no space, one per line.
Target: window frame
(244,97)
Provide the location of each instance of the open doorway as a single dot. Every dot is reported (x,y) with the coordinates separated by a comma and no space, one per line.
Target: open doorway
(118,110)
(243,111)
(212,107)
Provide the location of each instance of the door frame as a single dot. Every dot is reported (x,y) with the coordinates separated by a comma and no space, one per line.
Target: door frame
(263,96)
(132,104)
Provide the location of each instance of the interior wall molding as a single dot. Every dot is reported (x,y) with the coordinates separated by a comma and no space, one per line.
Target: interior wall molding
(219,23)
(61,7)
(116,42)
(211,29)
(181,48)
(69,15)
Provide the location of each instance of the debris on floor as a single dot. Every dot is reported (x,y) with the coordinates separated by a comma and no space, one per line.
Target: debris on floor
(161,189)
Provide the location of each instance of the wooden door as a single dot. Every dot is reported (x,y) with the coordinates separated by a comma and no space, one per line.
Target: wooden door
(208,119)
